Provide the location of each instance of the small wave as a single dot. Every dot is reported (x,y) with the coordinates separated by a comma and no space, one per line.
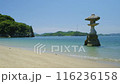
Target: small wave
(96,58)
(113,60)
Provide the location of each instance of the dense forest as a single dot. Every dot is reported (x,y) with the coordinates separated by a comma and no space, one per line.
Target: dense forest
(10,28)
(60,33)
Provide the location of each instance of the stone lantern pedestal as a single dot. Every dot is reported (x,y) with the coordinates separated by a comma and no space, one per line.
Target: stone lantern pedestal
(92,37)
(92,40)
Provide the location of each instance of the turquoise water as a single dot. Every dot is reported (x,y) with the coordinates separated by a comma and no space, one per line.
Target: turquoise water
(108,52)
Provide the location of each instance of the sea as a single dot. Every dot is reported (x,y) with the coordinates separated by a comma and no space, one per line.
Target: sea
(108,52)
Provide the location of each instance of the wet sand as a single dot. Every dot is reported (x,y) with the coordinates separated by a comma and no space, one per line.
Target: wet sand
(11,57)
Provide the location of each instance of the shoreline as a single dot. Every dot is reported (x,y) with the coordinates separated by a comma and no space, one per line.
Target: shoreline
(11,57)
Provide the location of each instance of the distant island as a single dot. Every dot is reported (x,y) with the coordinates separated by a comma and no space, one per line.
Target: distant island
(73,33)
(61,33)
(10,28)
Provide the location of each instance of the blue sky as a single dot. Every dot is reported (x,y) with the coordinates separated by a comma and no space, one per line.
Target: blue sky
(64,15)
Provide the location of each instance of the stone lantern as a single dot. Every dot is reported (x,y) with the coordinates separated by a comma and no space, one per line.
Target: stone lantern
(92,37)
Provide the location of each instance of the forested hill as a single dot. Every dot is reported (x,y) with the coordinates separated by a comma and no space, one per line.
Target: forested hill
(61,33)
(10,28)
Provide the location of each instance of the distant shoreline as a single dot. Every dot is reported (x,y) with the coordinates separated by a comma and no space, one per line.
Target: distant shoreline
(73,33)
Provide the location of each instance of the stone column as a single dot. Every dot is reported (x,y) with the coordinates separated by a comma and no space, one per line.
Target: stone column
(92,30)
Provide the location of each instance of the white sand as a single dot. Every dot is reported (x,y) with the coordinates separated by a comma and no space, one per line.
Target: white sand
(11,57)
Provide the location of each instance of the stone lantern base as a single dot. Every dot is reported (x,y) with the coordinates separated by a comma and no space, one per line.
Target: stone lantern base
(92,40)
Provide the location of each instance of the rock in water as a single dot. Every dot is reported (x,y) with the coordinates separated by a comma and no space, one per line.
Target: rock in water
(92,40)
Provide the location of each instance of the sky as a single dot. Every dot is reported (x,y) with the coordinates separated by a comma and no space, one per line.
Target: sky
(64,15)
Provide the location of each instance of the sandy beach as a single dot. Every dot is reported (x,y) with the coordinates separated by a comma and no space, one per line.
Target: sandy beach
(11,57)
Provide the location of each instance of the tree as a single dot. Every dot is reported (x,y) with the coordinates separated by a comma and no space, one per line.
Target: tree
(10,28)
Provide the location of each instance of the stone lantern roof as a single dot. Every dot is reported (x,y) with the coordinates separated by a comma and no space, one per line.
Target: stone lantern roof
(93,17)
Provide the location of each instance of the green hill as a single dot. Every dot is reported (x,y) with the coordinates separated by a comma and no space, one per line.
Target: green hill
(10,28)
(60,33)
